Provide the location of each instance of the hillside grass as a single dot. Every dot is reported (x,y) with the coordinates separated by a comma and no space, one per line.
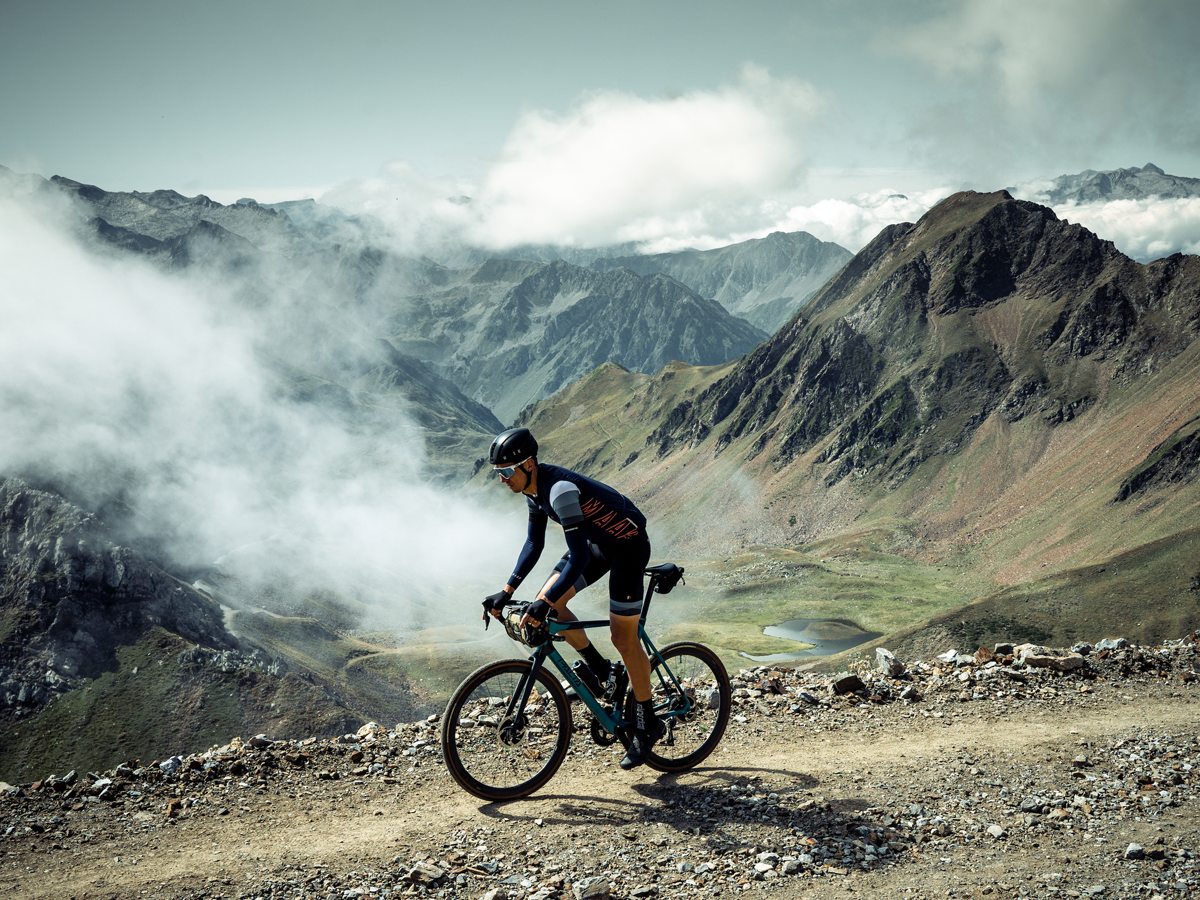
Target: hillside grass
(148,706)
(727,603)
(1143,595)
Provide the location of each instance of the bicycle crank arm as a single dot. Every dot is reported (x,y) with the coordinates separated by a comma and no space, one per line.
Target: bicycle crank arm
(602,737)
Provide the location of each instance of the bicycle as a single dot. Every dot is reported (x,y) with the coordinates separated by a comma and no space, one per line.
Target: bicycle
(507,727)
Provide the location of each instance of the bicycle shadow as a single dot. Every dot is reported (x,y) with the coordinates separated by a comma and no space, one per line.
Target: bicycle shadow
(742,810)
(707,800)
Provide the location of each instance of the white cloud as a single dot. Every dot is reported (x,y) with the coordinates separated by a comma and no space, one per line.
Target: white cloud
(854,223)
(133,383)
(1143,229)
(619,164)
(616,167)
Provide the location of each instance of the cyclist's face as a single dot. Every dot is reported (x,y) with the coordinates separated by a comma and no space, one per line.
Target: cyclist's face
(515,477)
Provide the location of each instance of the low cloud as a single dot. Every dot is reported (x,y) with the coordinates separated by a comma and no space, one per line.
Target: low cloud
(854,223)
(1143,229)
(157,391)
(615,168)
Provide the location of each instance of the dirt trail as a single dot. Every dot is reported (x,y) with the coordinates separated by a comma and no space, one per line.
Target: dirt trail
(926,780)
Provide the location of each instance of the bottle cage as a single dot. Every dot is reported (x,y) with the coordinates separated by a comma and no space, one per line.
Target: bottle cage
(529,635)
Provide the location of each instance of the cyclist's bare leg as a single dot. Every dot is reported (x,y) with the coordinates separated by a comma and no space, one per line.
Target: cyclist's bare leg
(637,663)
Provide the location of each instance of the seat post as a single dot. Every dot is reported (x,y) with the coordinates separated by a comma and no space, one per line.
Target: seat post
(649,593)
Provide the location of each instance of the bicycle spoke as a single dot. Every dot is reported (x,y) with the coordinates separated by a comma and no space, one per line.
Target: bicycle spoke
(499,753)
(692,695)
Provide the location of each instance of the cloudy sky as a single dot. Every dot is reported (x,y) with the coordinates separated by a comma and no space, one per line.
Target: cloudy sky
(673,122)
(669,123)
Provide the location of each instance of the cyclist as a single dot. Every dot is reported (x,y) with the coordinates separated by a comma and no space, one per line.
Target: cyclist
(605,532)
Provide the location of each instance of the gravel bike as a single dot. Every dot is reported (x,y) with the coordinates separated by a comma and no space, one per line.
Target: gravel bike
(508,726)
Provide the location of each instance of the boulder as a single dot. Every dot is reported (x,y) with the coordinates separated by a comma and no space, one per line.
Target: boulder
(847,684)
(594,888)
(1059,660)
(888,664)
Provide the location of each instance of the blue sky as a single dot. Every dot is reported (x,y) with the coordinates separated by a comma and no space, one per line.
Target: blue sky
(666,122)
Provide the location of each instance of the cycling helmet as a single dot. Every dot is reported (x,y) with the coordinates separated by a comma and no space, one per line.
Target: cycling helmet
(512,447)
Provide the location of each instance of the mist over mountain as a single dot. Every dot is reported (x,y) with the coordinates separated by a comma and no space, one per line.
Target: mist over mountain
(467,323)
(202,406)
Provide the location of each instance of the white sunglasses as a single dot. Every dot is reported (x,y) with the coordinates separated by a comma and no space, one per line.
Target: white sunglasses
(507,472)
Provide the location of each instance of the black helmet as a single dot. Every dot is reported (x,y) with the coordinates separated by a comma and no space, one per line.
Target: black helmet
(512,447)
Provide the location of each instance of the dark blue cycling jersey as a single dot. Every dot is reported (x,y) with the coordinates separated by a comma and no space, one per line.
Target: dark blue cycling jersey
(588,511)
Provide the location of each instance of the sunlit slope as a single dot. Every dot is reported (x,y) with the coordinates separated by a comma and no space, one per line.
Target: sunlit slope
(1018,394)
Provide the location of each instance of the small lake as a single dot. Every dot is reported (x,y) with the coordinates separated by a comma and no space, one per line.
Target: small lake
(827,636)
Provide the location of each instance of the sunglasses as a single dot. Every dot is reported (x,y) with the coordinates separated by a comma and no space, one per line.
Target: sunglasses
(508,472)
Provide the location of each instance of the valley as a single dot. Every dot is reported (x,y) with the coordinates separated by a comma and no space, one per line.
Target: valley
(980,428)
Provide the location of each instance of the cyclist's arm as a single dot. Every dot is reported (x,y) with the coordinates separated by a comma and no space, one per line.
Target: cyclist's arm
(565,500)
(535,541)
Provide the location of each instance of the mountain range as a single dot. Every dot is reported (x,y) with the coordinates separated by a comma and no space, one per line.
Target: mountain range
(764,281)
(1090,186)
(990,388)
(534,315)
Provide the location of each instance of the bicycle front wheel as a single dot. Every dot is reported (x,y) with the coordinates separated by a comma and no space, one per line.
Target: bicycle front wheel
(498,754)
(693,678)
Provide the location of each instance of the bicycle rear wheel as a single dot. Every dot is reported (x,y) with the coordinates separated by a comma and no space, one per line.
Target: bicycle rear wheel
(497,755)
(699,679)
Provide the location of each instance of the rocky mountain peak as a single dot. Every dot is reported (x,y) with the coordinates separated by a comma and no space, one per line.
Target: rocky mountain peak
(987,305)
(1130,183)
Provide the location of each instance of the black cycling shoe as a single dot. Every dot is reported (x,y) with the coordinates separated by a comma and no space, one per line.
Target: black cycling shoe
(585,674)
(641,745)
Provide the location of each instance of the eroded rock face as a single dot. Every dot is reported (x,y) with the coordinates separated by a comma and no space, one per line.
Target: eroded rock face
(1041,312)
(72,596)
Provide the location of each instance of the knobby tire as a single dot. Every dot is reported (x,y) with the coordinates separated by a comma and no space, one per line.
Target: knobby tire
(692,737)
(498,760)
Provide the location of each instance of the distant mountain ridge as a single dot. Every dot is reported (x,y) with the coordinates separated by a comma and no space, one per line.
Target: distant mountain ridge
(764,280)
(1142,183)
(511,331)
(163,215)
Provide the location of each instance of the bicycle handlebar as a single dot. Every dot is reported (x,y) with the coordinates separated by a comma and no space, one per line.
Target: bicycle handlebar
(663,579)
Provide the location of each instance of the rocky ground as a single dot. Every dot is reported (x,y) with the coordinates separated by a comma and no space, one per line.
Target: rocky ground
(1014,774)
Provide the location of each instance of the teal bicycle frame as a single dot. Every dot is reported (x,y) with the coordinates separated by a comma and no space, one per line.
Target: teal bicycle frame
(610,723)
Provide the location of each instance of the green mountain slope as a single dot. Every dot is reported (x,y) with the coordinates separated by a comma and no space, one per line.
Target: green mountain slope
(1019,396)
